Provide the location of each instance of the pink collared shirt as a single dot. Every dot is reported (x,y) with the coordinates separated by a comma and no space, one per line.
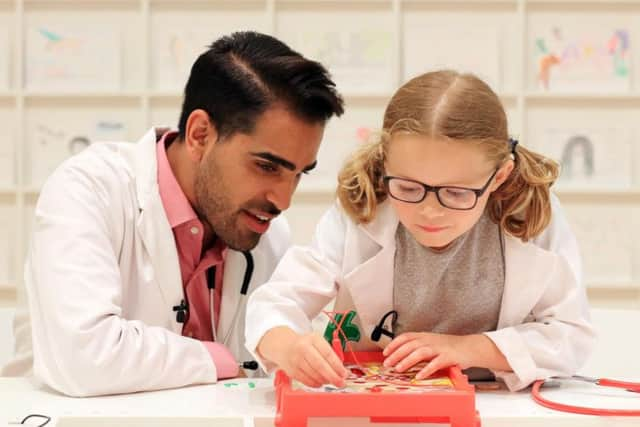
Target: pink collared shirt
(188,232)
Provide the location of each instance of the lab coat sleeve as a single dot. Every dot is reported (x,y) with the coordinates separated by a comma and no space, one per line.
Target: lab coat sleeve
(556,341)
(301,286)
(559,238)
(82,343)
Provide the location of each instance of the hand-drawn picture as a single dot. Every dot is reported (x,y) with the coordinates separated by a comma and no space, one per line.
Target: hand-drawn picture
(357,52)
(343,135)
(175,51)
(567,59)
(606,237)
(4,58)
(52,144)
(7,159)
(85,58)
(475,50)
(591,158)
(6,245)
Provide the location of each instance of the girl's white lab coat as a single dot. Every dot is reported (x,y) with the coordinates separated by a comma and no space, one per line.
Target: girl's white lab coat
(543,327)
(101,314)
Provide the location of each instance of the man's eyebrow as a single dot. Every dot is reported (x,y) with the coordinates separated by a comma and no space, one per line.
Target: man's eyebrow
(283,162)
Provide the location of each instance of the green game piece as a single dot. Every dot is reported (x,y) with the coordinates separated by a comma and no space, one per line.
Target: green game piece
(351,331)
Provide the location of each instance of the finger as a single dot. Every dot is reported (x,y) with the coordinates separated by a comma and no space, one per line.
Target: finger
(305,379)
(331,357)
(401,352)
(396,343)
(437,363)
(309,371)
(323,368)
(420,354)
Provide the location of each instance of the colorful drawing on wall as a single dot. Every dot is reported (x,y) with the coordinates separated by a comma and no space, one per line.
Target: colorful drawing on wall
(583,60)
(7,160)
(6,244)
(53,144)
(4,58)
(607,236)
(359,58)
(175,51)
(373,376)
(342,136)
(475,50)
(591,158)
(73,58)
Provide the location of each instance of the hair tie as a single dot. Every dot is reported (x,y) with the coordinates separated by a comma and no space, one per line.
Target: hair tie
(513,142)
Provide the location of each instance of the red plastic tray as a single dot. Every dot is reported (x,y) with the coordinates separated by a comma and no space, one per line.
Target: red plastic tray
(453,405)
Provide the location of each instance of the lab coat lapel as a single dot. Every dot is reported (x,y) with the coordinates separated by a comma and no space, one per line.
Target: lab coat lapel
(371,283)
(234,268)
(521,285)
(153,226)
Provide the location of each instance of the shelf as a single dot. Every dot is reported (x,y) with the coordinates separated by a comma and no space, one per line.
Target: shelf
(8,190)
(548,96)
(82,95)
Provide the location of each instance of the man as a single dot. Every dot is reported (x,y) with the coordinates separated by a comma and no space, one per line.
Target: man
(142,254)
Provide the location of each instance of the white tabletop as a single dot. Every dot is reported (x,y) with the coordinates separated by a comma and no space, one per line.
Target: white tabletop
(251,403)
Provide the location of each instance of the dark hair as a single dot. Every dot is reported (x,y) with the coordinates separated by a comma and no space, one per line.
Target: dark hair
(245,73)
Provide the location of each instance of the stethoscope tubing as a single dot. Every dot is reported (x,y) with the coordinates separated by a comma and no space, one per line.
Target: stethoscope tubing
(584,410)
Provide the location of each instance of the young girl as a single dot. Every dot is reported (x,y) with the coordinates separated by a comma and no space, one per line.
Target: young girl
(430,242)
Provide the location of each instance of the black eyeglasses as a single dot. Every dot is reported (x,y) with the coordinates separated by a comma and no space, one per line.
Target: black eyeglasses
(458,198)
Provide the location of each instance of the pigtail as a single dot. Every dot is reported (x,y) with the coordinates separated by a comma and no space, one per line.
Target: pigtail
(360,182)
(522,204)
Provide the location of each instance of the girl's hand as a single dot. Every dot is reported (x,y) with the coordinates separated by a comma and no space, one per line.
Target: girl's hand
(307,358)
(439,350)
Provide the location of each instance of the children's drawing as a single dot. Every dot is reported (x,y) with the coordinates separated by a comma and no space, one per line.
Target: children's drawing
(82,58)
(473,50)
(606,238)
(52,144)
(582,60)
(4,58)
(591,158)
(373,376)
(175,51)
(342,136)
(358,53)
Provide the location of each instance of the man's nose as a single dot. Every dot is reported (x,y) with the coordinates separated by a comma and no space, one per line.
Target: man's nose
(280,194)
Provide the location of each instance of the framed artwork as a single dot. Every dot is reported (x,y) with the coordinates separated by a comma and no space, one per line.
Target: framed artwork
(73,58)
(359,125)
(5,62)
(605,235)
(357,52)
(591,158)
(52,144)
(572,58)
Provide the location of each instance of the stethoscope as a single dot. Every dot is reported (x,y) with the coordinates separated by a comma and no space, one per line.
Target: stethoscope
(211,284)
(605,382)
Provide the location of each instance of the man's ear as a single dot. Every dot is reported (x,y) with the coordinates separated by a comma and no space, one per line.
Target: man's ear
(200,132)
(502,174)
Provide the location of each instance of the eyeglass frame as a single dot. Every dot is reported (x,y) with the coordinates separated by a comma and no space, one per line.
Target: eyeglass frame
(435,189)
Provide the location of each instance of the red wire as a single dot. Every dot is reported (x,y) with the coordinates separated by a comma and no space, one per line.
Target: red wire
(537,397)
(339,328)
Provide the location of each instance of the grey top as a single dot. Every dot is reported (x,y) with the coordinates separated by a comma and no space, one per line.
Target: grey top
(454,291)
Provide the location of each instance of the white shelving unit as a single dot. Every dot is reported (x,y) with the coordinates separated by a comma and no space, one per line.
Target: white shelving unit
(371,47)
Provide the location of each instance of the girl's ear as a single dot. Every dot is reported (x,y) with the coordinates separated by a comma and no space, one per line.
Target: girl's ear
(502,174)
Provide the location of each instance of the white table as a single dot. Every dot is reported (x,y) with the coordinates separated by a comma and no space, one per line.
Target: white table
(251,403)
